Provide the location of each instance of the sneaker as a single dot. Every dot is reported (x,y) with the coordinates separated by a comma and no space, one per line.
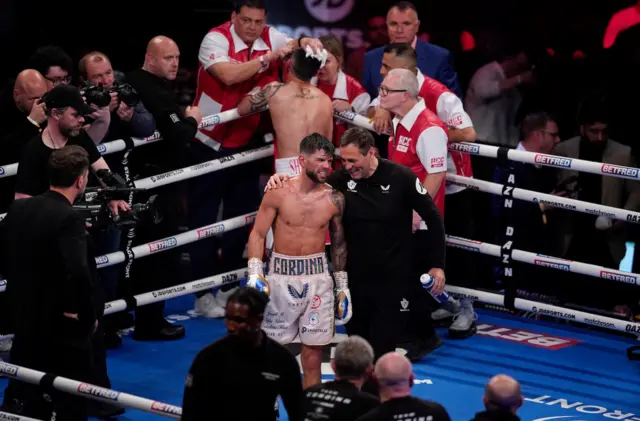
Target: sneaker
(464,323)
(443,317)
(208,307)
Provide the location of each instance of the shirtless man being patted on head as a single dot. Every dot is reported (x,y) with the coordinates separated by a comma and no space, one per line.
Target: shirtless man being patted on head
(299,283)
(297,109)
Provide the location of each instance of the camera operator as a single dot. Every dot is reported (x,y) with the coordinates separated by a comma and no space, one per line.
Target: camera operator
(65,117)
(177,130)
(129,118)
(51,284)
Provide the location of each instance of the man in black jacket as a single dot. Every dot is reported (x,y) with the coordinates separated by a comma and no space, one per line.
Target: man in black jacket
(51,284)
(502,399)
(177,130)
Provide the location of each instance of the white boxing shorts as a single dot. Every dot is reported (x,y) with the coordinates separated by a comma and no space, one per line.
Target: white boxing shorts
(301,300)
(286,166)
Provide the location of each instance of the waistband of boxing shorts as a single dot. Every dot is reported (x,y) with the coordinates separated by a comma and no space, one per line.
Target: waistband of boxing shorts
(288,166)
(315,264)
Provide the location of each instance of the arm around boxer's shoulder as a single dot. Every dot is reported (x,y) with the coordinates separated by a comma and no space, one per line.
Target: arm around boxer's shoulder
(336,229)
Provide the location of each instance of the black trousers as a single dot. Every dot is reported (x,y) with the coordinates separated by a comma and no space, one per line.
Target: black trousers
(57,358)
(461,265)
(161,269)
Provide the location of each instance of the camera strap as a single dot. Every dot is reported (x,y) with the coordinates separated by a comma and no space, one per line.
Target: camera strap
(130,233)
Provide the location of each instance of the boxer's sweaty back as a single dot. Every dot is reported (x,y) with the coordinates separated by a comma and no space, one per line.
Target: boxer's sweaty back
(298,110)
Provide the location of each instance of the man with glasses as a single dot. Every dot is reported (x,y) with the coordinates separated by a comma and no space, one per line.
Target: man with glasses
(54,64)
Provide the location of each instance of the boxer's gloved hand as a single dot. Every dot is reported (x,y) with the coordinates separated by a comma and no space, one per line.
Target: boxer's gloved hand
(256,276)
(344,309)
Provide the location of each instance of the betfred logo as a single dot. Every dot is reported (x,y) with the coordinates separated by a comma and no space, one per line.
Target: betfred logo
(102,149)
(462,147)
(8,369)
(619,277)
(100,392)
(624,171)
(526,337)
(552,265)
(166,409)
(102,260)
(250,219)
(437,162)
(1,171)
(163,245)
(211,231)
(553,161)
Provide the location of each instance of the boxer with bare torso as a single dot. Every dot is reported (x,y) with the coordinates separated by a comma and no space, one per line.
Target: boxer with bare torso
(297,109)
(299,284)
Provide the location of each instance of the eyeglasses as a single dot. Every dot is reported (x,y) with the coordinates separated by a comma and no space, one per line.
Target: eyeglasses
(385,91)
(59,80)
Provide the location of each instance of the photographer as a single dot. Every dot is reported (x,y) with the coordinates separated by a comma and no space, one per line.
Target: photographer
(129,118)
(177,130)
(56,303)
(65,118)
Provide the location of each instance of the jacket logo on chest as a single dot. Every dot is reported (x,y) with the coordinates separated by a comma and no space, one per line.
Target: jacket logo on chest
(270,376)
(385,189)
(351,185)
(403,143)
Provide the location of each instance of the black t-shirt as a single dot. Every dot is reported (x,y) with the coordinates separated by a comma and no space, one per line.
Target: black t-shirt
(378,219)
(229,380)
(407,409)
(338,400)
(33,176)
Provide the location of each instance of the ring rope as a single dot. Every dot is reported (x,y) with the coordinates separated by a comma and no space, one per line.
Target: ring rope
(545,198)
(5,416)
(90,391)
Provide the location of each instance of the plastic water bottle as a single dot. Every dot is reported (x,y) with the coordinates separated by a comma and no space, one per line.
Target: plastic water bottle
(427,282)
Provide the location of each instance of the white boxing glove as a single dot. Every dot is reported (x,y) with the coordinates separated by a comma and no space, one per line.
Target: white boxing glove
(344,309)
(256,276)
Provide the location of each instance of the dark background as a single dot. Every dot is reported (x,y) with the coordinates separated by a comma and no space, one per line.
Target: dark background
(121,28)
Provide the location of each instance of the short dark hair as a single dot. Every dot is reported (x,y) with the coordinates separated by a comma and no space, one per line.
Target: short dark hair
(66,165)
(49,56)
(533,122)
(403,6)
(254,299)
(315,142)
(403,50)
(251,4)
(359,137)
(303,67)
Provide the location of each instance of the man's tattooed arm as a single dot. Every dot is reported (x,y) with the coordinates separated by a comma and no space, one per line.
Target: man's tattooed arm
(338,241)
(258,99)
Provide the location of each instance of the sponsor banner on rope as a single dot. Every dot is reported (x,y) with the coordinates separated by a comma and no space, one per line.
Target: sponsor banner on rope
(155,136)
(600,213)
(631,217)
(526,337)
(552,265)
(168,291)
(632,328)
(619,277)
(553,313)
(250,219)
(583,408)
(166,409)
(201,166)
(211,231)
(461,147)
(347,115)
(554,161)
(8,369)
(9,417)
(102,148)
(107,306)
(102,260)
(226,159)
(600,323)
(100,392)
(555,204)
(163,245)
(618,170)
(469,245)
(159,177)
(211,121)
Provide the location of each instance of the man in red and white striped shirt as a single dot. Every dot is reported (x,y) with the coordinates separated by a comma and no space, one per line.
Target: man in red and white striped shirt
(446,106)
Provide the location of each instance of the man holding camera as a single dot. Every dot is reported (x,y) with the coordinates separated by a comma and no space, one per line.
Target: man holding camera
(52,287)
(152,82)
(129,118)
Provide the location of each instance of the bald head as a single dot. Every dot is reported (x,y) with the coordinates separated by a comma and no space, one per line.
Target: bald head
(163,57)
(30,85)
(503,391)
(393,370)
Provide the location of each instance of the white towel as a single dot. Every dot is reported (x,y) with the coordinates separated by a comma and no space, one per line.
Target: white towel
(320,56)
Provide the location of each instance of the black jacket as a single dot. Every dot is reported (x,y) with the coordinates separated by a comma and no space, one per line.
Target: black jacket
(496,415)
(176,130)
(50,270)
